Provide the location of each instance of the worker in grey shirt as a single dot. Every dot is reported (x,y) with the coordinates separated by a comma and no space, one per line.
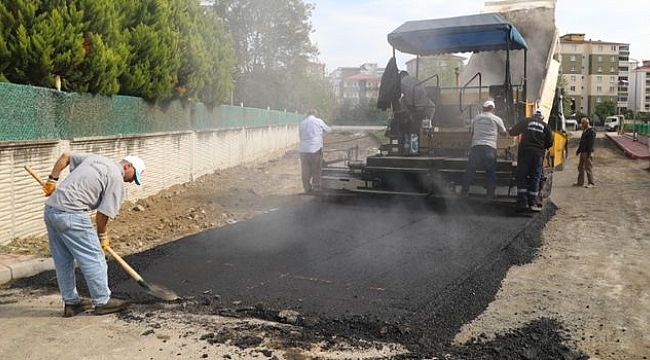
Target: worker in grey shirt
(94,183)
(485,129)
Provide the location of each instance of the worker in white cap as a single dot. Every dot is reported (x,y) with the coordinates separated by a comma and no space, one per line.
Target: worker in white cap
(484,128)
(536,137)
(94,183)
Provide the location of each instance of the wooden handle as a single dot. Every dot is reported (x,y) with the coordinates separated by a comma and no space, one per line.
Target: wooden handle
(34,175)
(126,266)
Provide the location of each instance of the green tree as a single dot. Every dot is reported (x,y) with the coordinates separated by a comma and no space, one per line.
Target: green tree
(271,40)
(155,49)
(154,42)
(604,109)
(220,60)
(105,49)
(40,40)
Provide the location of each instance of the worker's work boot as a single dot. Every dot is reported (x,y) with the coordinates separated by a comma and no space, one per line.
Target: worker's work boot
(70,310)
(112,306)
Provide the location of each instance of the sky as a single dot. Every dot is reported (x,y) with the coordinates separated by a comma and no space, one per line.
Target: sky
(353,32)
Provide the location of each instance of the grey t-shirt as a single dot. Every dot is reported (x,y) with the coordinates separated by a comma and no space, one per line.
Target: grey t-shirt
(485,129)
(94,183)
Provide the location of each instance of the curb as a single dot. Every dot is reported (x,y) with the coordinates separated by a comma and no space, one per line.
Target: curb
(18,267)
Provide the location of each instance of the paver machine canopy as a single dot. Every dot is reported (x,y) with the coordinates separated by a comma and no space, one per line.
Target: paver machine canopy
(471,33)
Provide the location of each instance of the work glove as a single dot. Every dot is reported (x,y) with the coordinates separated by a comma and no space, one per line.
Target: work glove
(49,187)
(104,241)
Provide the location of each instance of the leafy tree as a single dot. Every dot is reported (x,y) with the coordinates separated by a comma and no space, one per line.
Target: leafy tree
(153,42)
(271,40)
(155,49)
(219,60)
(360,113)
(40,40)
(104,47)
(605,109)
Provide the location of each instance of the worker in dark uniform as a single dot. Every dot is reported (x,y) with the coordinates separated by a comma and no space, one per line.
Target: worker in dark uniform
(536,137)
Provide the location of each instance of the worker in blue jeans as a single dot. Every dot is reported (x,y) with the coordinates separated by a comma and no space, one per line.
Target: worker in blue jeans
(484,129)
(94,183)
(536,137)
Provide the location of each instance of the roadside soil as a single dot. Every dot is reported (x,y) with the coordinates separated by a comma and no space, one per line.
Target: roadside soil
(590,274)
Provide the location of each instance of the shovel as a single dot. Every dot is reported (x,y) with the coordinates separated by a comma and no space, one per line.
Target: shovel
(153,290)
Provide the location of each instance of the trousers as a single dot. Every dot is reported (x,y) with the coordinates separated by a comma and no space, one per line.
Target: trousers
(529,173)
(73,238)
(487,156)
(585,166)
(311,166)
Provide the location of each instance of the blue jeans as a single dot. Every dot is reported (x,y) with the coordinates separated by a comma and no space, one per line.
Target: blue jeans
(73,238)
(486,155)
(529,173)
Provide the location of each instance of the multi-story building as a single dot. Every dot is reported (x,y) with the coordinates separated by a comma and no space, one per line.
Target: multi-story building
(447,67)
(594,71)
(357,83)
(639,100)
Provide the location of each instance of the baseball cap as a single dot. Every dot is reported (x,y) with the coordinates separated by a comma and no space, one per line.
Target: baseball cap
(138,166)
(488,104)
(538,113)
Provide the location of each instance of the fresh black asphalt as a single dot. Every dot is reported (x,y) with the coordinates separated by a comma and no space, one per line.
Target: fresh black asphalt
(390,269)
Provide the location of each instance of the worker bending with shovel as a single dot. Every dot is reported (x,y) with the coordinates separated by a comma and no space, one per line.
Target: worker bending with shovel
(94,183)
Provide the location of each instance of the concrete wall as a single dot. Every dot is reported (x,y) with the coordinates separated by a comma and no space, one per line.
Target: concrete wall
(171,158)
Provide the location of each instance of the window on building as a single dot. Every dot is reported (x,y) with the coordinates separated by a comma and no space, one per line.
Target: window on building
(612,79)
(599,100)
(573,78)
(600,48)
(572,88)
(611,69)
(573,68)
(612,59)
(600,69)
(573,58)
(599,89)
(613,48)
(599,79)
(574,47)
(600,59)
(612,89)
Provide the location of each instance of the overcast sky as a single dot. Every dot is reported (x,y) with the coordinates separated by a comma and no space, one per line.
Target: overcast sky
(353,32)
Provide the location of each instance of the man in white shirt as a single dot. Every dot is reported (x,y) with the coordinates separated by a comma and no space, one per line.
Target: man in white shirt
(311,150)
(485,129)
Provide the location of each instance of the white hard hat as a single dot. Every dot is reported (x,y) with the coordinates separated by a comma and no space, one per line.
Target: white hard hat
(538,113)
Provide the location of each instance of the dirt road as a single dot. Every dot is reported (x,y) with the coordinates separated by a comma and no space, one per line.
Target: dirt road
(590,275)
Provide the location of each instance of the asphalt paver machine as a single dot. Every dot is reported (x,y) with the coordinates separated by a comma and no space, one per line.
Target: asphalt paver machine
(427,151)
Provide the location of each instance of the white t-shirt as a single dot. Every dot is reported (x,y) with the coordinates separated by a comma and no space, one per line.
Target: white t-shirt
(311,134)
(485,129)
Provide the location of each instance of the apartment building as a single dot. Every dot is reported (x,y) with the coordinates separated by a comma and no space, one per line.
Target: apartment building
(639,100)
(357,83)
(446,67)
(595,71)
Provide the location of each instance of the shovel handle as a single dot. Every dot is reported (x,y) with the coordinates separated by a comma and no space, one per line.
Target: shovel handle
(124,264)
(34,174)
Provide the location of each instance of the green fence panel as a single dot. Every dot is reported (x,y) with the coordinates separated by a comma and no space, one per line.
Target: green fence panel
(21,115)
(30,113)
